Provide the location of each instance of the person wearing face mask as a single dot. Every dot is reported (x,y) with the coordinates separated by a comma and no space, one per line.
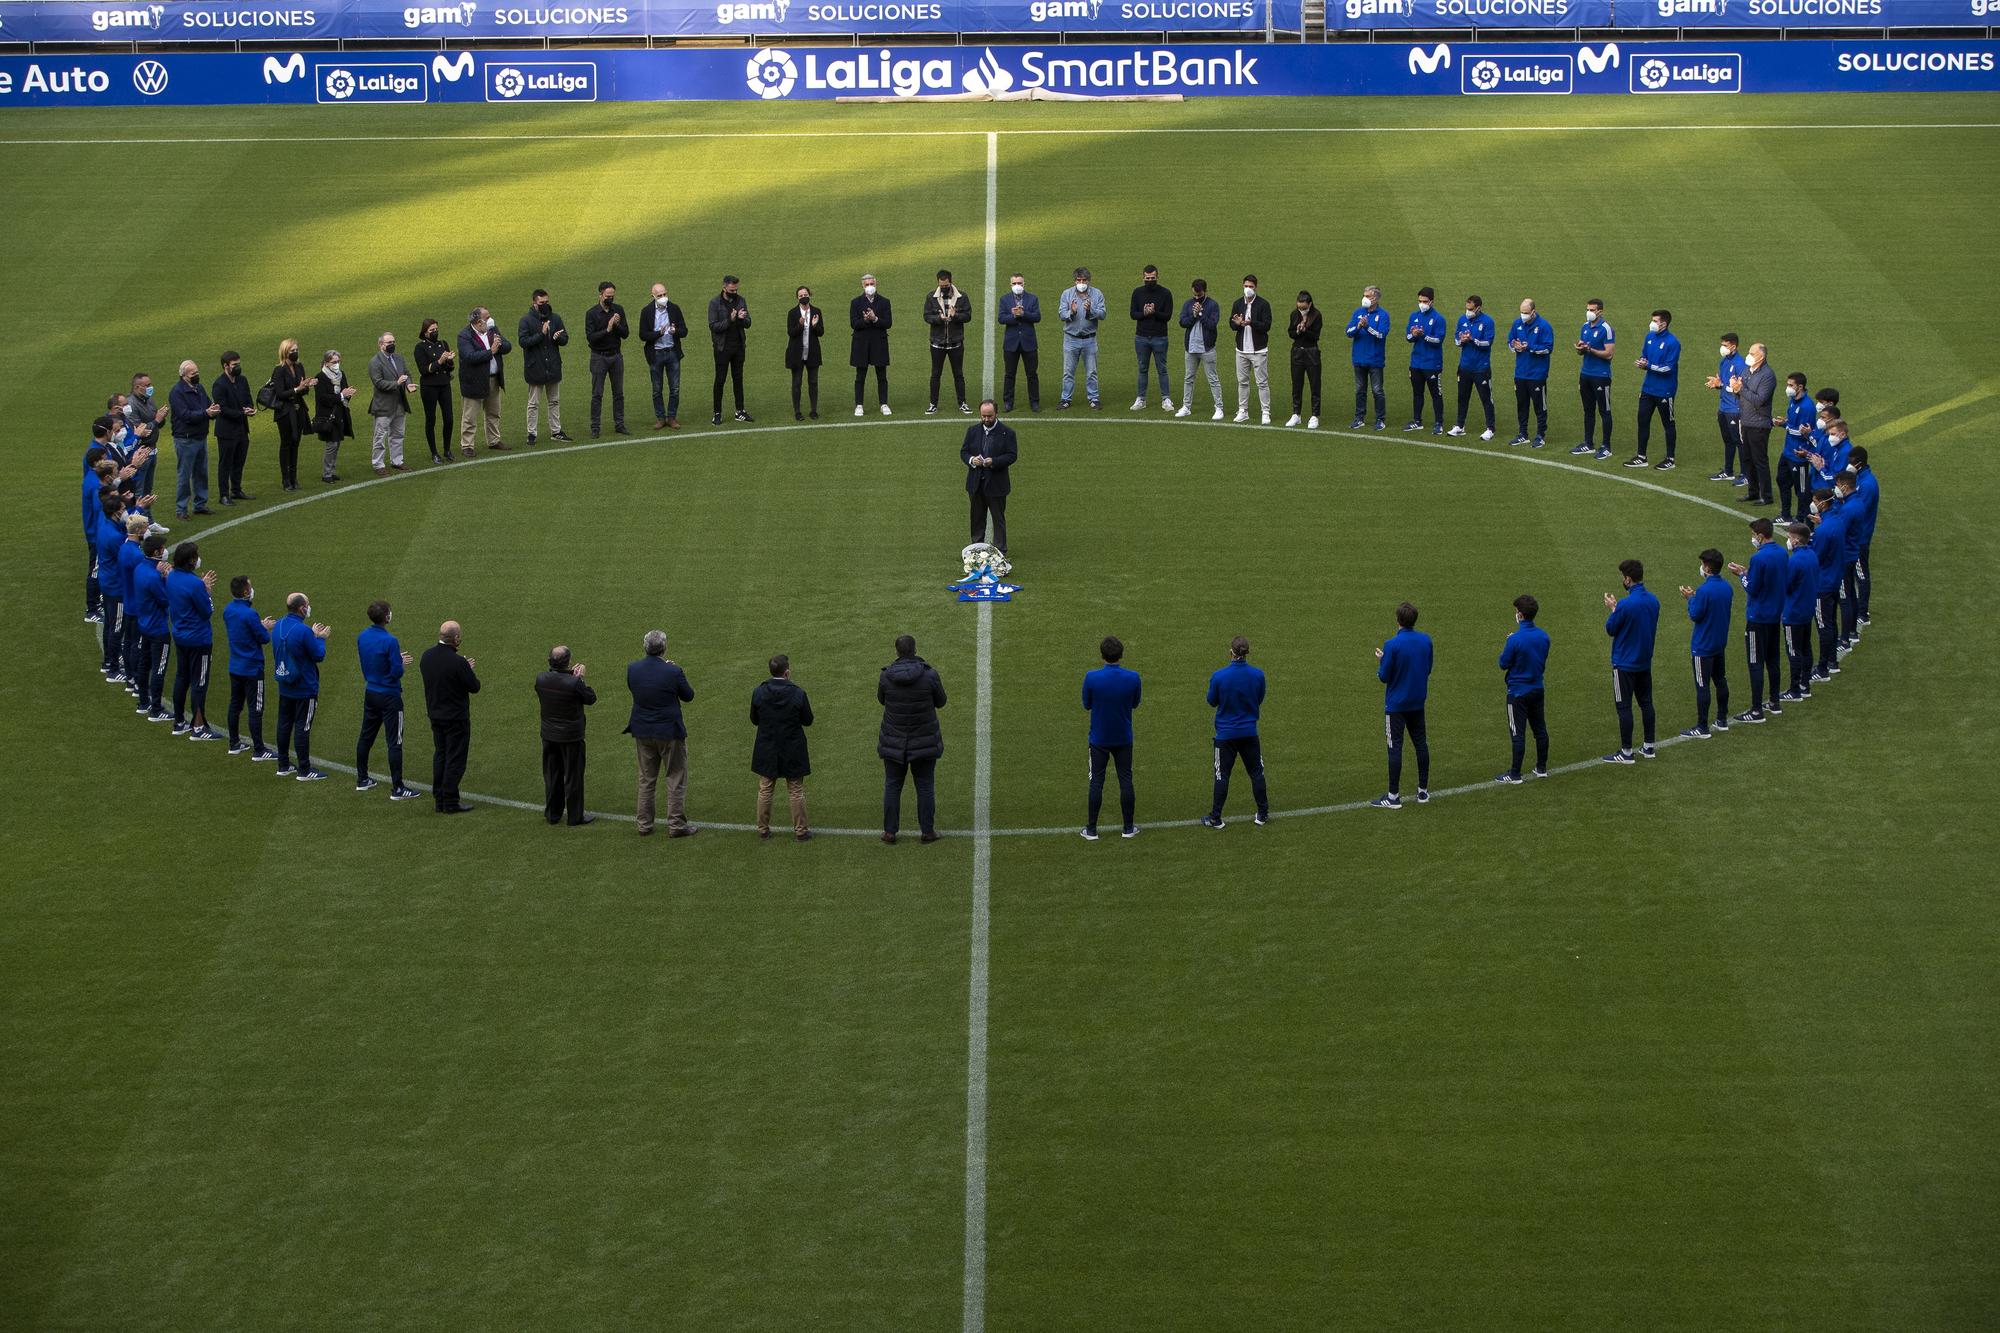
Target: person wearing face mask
(145,418)
(1596,344)
(1826,408)
(870,318)
(728,321)
(1726,380)
(298,646)
(480,380)
(1829,459)
(1201,315)
(1080,311)
(449,684)
(131,561)
(1020,311)
(1868,494)
(663,331)
(235,404)
(190,612)
(333,421)
(805,324)
(1852,511)
(1633,625)
(389,404)
(1303,327)
(1793,465)
(1661,360)
(1533,340)
(659,734)
(147,592)
(192,410)
(605,329)
(290,384)
(247,633)
(1524,659)
(1708,610)
(1763,613)
(946,311)
(1250,330)
(434,368)
(1424,332)
(382,664)
(1368,331)
(1755,388)
(1152,306)
(1830,522)
(1403,665)
(564,696)
(1801,605)
(111,536)
(542,335)
(1474,337)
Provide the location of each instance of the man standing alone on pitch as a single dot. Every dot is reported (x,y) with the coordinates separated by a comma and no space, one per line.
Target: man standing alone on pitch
(1708,607)
(382,663)
(1236,693)
(1110,693)
(1763,612)
(659,687)
(449,684)
(1633,623)
(563,697)
(605,329)
(1403,665)
(988,451)
(911,739)
(1525,659)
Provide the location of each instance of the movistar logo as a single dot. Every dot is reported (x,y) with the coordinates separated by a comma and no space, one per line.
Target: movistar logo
(1438,58)
(292,67)
(1595,62)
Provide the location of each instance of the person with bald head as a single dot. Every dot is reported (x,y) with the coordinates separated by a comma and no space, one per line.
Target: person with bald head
(389,405)
(1756,387)
(190,411)
(563,696)
(449,684)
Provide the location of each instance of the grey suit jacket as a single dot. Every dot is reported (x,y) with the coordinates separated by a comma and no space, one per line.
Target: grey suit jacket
(384,368)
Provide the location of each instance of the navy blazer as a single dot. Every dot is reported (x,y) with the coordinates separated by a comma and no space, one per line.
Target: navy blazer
(1006,449)
(1208,316)
(658,689)
(1020,336)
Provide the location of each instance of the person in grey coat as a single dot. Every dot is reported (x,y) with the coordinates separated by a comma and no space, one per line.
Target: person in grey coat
(781,713)
(390,405)
(1755,389)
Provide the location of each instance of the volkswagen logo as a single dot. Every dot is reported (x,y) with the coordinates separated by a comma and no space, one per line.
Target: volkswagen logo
(150,77)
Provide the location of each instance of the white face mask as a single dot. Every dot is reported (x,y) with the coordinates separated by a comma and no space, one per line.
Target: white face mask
(1018,288)
(197,562)
(1590,316)
(867,289)
(491,324)
(1423,307)
(1083,286)
(1791,393)
(1367,303)
(1725,351)
(660,301)
(1654,326)
(1249,293)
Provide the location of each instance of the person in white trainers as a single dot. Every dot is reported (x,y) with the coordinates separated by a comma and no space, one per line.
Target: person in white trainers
(1250,324)
(1152,304)
(1303,327)
(1475,363)
(1200,315)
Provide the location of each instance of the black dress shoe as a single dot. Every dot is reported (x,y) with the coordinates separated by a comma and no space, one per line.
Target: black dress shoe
(203,509)
(889,838)
(579,823)
(684,831)
(241,496)
(930,837)
(460,809)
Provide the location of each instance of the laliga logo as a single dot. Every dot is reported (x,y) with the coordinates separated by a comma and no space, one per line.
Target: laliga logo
(451,71)
(294,67)
(150,77)
(1653,73)
(771,74)
(1595,63)
(509,82)
(339,85)
(1486,76)
(1439,58)
(987,76)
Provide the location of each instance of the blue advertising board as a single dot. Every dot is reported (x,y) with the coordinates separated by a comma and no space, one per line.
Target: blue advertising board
(1362,15)
(1807,13)
(778,73)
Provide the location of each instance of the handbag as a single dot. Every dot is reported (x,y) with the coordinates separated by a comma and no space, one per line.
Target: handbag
(267,397)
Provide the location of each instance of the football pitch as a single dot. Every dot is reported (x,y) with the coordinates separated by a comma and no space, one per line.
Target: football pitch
(1704,1043)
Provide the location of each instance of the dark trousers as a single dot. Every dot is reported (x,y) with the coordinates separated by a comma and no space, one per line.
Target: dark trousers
(112,632)
(955,355)
(1532,394)
(1798,651)
(1596,396)
(983,505)
(1850,599)
(664,368)
(1760,641)
(612,368)
(1468,382)
(882,384)
(1305,374)
(1429,382)
(288,448)
(1828,620)
(1792,480)
(1395,727)
(1730,424)
(1367,384)
(383,713)
(1756,447)
(1027,358)
(1102,757)
(246,692)
(93,593)
(1525,714)
(451,744)
(1627,688)
(729,366)
(437,406)
(1250,750)
(562,781)
(1865,579)
(191,681)
(230,457)
(1648,405)
(131,654)
(153,671)
(295,725)
(810,374)
(1711,677)
(893,773)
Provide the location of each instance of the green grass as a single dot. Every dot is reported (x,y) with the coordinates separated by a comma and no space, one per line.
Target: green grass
(1702,1045)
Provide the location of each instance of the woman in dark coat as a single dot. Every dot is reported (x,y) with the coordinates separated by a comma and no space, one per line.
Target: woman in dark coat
(781,713)
(435,367)
(292,384)
(332,421)
(804,327)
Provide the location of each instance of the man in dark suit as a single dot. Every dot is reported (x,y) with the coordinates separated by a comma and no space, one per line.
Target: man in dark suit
(449,684)
(911,739)
(605,328)
(663,332)
(1020,311)
(728,320)
(481,379)
(564,696)
(804,327)
(659,688)
(236,403)
(988,451)
(869,316)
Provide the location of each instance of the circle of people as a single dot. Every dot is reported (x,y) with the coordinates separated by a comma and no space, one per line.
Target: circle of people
(1804,572)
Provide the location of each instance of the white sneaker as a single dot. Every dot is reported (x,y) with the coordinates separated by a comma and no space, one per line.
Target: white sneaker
(885,409)
(1242,414)
(1138,403)
(1183,412)
(1218,415)
(1293,420)
(1485,434)
(1267,418)
(1456,431)
(1312,423)
(1166,404)
(860,411)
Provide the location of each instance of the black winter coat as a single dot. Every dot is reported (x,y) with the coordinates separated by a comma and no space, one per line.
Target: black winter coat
(910,694)
(331,418)
(781,713)
(541,353)
(871,340)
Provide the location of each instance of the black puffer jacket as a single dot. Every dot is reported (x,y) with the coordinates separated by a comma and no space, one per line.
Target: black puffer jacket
(910,694)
